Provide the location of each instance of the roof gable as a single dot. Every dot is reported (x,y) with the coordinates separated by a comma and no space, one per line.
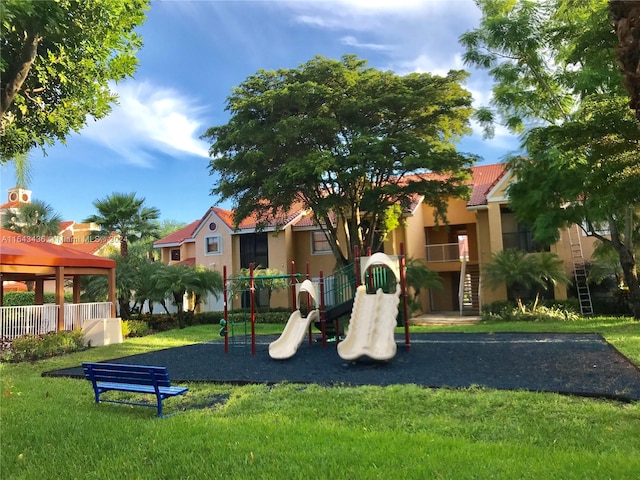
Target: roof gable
(179,236)
(484,178)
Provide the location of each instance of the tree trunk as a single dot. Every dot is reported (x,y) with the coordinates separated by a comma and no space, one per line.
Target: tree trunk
(629,270)
(124,247)
(18,75)
(626,17)
(125,310)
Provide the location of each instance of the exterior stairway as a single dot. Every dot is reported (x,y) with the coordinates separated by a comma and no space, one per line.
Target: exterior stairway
(470,289)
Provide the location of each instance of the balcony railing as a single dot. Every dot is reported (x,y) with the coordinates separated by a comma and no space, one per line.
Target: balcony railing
(40,319)
(447,252)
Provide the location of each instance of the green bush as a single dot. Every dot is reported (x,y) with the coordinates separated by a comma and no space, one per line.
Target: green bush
(19,299)
(35,347)
(135,328)
(160,323)
(504,311)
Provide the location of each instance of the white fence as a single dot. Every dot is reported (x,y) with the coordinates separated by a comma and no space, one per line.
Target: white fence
(40,319)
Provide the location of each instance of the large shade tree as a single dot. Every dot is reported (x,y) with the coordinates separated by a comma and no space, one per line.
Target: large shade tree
(348,141)
(558,83)
(626,16)
(127,215)
(57,60)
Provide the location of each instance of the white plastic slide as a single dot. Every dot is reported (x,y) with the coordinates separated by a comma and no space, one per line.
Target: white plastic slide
(373,321)
(294,331)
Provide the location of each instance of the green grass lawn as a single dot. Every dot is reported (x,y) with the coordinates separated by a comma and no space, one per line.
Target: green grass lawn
(51,428)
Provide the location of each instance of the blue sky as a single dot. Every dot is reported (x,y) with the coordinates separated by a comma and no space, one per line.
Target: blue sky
(196,51)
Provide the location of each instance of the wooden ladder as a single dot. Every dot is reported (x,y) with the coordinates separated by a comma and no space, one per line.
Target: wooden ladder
(579,270)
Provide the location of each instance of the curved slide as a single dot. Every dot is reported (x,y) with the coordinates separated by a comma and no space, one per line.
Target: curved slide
(294,331)
(373,320)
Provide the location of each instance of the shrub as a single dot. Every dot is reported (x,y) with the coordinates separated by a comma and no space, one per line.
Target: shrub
(504,311)
(135,328)
(19,299)
(35,347)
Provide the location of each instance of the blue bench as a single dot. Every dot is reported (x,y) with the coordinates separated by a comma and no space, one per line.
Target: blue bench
(145,379)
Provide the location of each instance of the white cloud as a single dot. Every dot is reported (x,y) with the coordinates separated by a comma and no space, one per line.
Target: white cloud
(147,119)
(424,63)
(352,41)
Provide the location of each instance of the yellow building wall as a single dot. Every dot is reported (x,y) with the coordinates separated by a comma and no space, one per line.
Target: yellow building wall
(457,213)
(278,260)
(216,261)
(301,253)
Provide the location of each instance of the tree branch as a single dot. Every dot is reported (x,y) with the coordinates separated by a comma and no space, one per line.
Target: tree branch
(19,73)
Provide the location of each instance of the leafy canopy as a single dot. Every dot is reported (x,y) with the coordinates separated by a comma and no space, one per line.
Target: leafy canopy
(57,59)
(345,140)
(556,80)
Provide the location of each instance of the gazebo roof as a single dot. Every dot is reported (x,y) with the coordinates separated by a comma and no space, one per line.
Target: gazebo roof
(23,254)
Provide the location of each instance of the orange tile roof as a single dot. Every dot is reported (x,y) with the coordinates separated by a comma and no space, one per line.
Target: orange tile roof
(225,215)
(188,262)
(179,236)
(485,177)
(8,205)
(251,222)
(66,224)
(92,246)
(16,249)
(10,286)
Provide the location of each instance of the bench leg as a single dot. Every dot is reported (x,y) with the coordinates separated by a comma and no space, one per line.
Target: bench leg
(159,406)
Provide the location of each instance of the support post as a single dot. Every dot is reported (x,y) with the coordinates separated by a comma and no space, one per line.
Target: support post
(252,294)
(60,296)
(323,315)
(225,296)
(111,280)
(293,287)
(403,295)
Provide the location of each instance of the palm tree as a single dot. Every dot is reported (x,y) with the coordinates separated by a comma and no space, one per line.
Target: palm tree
(22,169)
(126,215)
(35,219)
(418,277)
(146,289)
(204,282)
(550,270)
(522,272)
(173,281)
(94,287)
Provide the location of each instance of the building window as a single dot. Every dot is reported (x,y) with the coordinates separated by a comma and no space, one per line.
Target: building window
(213,245)
(319,243)
(175,254)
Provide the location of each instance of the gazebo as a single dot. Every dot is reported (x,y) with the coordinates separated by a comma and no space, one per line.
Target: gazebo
(24,258)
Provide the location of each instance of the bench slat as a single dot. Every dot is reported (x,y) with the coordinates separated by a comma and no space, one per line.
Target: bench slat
(128,387)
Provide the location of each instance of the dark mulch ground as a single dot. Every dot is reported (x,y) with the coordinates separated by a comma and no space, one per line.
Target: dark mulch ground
(583,364)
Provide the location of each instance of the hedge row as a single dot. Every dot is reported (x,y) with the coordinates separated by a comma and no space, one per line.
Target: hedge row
(21,299)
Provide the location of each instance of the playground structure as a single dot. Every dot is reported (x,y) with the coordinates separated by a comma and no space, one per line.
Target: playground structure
(372,295)
(373,318)
(297,326)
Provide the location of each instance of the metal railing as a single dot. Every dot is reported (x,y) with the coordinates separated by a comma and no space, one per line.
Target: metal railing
(76,313)
(446,252)
(41,319)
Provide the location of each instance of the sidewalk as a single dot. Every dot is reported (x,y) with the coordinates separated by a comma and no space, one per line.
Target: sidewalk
(444,318)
